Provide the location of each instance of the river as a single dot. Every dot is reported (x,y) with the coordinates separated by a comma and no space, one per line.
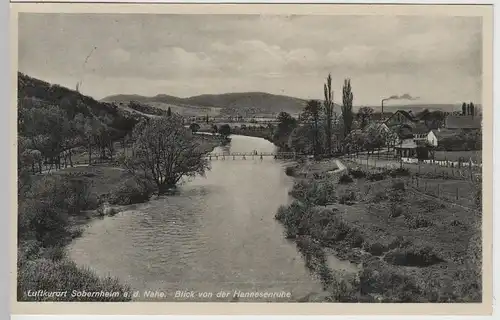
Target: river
(218,234)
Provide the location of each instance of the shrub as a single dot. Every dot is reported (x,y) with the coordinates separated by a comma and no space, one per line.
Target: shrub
(347,197)
(345,179)
(39,220)
(417,221)
(376,248)
(291,217)
(379,196)
(301,189)
(399,172)
(336,230)
(376,176)
(318,192)
(354,238)
(128,192)
(395,210)
(400,242)
(430,205)
(398,185)
(63,275)
(54,253)
(388,285)
(290,171)
(416,256)
(357,173)
(62,192)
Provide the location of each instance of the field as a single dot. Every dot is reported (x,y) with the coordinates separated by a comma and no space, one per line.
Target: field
(412,245)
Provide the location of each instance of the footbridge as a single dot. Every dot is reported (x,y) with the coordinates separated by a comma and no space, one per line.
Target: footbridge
(250,155)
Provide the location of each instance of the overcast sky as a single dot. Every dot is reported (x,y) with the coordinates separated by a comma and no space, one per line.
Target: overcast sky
(435,58)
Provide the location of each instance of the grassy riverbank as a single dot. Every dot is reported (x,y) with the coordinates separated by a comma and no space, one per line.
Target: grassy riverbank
(411,247)
(53,211)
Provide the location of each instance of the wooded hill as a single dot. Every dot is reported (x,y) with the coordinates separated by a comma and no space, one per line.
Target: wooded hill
(33,92)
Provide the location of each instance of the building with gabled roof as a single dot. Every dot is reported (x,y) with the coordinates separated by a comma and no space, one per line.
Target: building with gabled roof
(463,122)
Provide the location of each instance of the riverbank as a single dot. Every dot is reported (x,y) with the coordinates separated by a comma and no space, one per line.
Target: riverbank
(76,196)
(411,247)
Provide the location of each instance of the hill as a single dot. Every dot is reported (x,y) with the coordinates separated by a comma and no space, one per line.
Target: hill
(33,92)
(242,103)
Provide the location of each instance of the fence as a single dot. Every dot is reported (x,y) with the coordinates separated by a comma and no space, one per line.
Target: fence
(441,169)
(453,191)
(459,191)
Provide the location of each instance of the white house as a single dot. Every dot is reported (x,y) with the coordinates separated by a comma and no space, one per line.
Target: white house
(435,136)
(432,139)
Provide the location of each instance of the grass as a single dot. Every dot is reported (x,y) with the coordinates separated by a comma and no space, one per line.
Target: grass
(396,227)
(63,275)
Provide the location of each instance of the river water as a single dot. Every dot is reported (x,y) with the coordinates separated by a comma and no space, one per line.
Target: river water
(218,234)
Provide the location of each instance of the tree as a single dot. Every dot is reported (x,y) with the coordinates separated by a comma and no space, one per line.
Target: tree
(302,138)
(225,131)
(465,108)
(347,98)
(215,129)
(329,105)
(207,119)
(373,138)
(169,112)
(311,114)
(471,109)
(364,116)
(285,126)
(194,127)
(164,153)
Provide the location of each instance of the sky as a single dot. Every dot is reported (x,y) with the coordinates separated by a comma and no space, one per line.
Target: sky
(435,58)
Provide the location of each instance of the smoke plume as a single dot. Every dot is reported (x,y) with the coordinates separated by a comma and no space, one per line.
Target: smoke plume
(405,96)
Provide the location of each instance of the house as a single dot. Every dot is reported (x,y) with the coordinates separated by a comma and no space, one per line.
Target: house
(462,122)
(432,138)
(435,136)
(378,116)
(420,131)
(400,117)
(407,148)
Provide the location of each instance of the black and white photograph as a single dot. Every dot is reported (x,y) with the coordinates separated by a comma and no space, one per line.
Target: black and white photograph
(278,158)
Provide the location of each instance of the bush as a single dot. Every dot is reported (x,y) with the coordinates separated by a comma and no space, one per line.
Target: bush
(416,256)
(379,196)
(62,192)
(347,198)
(38,220)
(395,210)
(376,176)
(417,221)
(128,192)
(399,172)
(400,242)
(291,217)
(345,179)
(63,275)
(337,230)
(376,248)
(354,238)
(430,205)
(357,173)
(290,171)
(318,192)
(388,285)
(398,185)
